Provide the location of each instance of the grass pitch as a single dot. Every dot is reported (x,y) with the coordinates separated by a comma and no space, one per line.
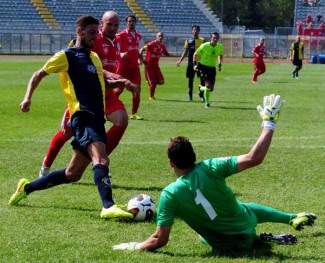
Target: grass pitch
(62,224)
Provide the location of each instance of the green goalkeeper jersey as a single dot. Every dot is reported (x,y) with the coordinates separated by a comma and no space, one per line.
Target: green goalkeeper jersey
(204,201)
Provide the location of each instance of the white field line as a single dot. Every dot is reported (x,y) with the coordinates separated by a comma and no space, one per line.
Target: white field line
(219,141)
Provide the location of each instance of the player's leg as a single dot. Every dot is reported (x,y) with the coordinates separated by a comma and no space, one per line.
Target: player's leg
(56,145)
(255,74)
(72,173)
(150,77)
(262,67)
(298,68)
(202,84)
(119,118)
(135,77)
(97,152)
(190,73)
(268,214)
(158,79)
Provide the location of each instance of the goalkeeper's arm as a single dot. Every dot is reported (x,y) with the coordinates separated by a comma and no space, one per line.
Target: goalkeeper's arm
(157,240)
(270,111)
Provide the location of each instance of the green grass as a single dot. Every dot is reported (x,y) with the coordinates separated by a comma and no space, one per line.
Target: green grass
(62,224)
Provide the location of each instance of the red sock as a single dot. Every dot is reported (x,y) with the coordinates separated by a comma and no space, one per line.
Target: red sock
(113,136)
(135,103)
(152,90)
(56,145)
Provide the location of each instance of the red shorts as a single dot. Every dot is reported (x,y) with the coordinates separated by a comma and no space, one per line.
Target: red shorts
(65,124)
(112,102)
(259,64)
(132,74)
(153,75)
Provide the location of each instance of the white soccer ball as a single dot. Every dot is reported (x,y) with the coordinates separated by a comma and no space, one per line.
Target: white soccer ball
(142,207)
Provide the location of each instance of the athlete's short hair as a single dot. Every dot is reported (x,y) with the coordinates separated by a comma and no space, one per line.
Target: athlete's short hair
(86,20)
(131,15)
(181,153)
(215,33)
(197,27)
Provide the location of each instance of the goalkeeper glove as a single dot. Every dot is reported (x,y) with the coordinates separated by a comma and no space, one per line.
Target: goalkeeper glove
(127,246)
(270,111)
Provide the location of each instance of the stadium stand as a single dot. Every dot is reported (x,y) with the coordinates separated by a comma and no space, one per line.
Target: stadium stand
(169,16)
(20,15)
(302,10)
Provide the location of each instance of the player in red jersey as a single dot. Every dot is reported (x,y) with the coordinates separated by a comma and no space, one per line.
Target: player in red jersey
(259,65)
(153,74)
(128,67)
(107,50)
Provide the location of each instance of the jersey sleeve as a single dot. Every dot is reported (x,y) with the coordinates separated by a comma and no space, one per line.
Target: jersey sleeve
(222,167)
(186,44)
(166,209)
(199,49)
(58,63)
(164,49)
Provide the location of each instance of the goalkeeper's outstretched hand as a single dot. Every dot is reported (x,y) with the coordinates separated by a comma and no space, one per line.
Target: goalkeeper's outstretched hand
(272,105)
(131,246)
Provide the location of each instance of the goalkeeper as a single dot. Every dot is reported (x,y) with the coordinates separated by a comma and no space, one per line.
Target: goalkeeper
(201,197)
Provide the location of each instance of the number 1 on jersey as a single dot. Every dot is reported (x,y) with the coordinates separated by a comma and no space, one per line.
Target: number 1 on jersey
(200,199)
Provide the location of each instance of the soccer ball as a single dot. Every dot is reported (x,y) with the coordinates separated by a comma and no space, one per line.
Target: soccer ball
(142,207)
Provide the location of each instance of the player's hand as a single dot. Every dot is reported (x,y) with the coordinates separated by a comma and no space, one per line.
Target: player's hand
(131,246)
(25,105)
(124,55)
(130,86)
(178,63)
(111,76)
(272,105)
(219,67)
(195,68)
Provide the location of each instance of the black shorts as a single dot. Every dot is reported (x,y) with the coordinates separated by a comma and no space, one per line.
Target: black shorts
(208,73)
(190,72)
(297,62)
(87,128)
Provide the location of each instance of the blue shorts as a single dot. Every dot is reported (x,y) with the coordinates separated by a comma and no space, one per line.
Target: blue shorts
(87,128)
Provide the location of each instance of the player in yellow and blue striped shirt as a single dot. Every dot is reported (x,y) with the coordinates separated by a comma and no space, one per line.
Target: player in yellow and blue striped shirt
(82,81)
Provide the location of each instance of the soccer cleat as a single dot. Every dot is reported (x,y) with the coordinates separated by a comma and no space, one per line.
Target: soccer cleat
(20,192)
(152,98)
(302,219)
(115,212)
(297,77)
(201,94)
(207,106)
(44,170)
(136,117)
(254,81)
(286,239)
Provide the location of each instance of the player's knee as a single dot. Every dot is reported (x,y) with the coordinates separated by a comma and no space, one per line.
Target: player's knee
(67,133)
(73,176)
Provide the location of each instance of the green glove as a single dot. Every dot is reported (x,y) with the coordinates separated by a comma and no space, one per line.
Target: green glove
(272,105)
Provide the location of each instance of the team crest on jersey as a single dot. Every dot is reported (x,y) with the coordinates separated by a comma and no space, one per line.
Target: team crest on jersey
(105,48)
(129,39)
(91,69)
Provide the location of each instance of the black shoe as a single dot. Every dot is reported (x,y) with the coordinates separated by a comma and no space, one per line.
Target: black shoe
(285,239)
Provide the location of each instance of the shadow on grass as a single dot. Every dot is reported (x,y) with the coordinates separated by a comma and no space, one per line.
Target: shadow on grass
(260,250)
(116,186)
